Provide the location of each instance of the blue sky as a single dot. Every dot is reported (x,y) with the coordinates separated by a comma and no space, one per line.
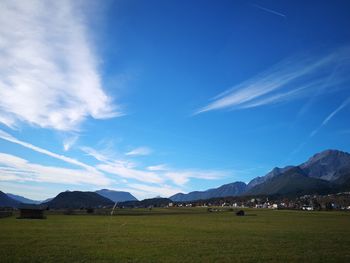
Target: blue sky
(158,97)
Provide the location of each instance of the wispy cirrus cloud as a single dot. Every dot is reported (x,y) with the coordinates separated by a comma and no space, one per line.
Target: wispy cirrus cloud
(102,156)
(13,168)
(8,137)
(157,174)
(140,151)
(181,177)
(48,72)
(159,167)
(125,170)
(145,181)
(145,191)
(328,118)
(269,10)
(331,116)
(69,141)
(288,80)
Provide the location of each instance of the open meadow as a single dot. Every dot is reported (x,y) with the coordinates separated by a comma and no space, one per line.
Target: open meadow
(179,235)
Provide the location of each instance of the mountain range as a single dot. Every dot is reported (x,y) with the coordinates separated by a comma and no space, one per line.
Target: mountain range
(75,199)
(325,172)
(231,189)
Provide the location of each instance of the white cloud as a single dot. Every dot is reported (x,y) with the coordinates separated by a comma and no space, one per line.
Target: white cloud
(288,80)
(48,71)
(68,142)
(101,156)
(181,177)
(140,151)
(157,174)
(126,170)
(159,167)
(122,168)
(147,191)
(13,168)
(10,138)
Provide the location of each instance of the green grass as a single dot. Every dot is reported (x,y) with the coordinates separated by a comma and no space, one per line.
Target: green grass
(179,235)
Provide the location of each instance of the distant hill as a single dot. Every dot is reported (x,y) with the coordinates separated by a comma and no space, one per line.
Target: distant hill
(6,201)
(22,199)
(116,196)
(232,189)
(46,200)
(153,202)
(78,199)
(292,182)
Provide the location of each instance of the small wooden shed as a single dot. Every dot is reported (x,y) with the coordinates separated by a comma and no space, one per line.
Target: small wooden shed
(31,212)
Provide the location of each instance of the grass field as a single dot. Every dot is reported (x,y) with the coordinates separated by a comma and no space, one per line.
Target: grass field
(179,235)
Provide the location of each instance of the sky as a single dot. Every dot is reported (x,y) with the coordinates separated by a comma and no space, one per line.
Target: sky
(159,97)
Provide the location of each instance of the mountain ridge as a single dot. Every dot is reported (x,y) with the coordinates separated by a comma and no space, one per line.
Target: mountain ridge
(234,188)
(116,196)
(23,199)
(78,199)
(6,201)
(326,171)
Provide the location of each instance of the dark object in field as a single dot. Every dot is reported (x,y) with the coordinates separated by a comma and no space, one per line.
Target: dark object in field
(32,213)
(240,213)
(90,211)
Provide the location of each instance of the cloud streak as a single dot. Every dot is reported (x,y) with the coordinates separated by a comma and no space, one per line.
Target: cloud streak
(68,142)
(48,72)
(331,116)
(157,174)
(157,179)
(140,151)
(181,177)
(7,137)
(269,10)
(13,168)
(288,80)
(344,104)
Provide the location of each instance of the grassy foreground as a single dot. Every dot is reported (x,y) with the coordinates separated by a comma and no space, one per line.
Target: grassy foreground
(192,236)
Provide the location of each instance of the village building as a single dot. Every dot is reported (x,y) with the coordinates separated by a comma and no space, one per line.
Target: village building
(307,208)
